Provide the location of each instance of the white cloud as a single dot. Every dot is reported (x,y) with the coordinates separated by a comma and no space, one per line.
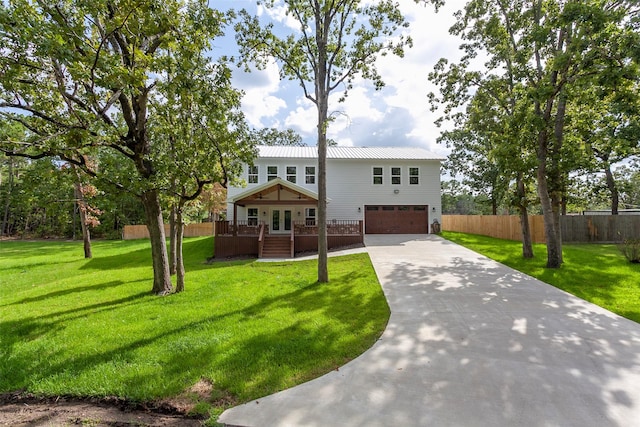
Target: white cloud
(261,88)
(397,115)
(278,13)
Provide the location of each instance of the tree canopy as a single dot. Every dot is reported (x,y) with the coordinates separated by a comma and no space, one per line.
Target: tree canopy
(79,77)
(335,43)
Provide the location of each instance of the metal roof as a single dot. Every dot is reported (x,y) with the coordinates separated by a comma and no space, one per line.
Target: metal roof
(377,153)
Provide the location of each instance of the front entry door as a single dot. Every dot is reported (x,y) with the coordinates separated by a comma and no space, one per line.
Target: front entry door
(281,221)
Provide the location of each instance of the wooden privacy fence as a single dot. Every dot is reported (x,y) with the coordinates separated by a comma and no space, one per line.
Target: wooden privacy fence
(574,228)
(131,232)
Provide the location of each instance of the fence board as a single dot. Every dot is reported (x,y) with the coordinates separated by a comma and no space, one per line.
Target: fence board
(131,232)
(574,228)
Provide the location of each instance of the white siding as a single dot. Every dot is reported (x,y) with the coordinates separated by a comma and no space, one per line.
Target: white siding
(350,184)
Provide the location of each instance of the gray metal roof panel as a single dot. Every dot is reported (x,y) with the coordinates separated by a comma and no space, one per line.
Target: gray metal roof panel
(365,153)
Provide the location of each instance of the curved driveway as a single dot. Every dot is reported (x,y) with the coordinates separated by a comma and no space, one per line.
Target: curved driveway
(470,342)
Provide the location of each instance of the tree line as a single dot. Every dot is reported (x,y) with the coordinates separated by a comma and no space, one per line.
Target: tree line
(544,96)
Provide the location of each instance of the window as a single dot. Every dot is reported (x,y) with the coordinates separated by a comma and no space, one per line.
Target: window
(291,174)
(414,176)
(396,176)
(252,216)
(272,172)
(309,174)
(310,216)
(253,174)
(377,175)
(372,208)
(388,208)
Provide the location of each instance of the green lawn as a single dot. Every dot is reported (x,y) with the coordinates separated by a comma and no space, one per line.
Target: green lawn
(70,326)
(595,272)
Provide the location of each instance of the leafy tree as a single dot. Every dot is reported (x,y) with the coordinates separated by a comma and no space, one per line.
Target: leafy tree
(544,49)
(79,75)
(606,119)
(336,42)
(200,136)
(272,136)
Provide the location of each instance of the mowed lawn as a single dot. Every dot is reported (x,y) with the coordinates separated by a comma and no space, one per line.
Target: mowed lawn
(598,273)
(70,326)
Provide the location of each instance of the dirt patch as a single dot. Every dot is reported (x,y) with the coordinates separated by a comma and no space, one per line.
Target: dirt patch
(85,414)
(24,409)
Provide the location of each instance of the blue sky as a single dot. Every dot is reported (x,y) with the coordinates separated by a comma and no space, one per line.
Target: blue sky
(398,115)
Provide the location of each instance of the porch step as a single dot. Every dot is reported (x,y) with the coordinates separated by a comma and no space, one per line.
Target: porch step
(276,247)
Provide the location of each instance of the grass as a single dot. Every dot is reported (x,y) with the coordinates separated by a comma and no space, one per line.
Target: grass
(598,273)
(77,327)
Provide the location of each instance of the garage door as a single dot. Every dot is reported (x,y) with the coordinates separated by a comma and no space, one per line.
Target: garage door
(396,219)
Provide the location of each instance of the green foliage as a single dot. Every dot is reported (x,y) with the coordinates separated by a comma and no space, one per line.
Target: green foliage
(630,248)
(516,114)
(272,136)
(72,326)
(595,272)
(335,43)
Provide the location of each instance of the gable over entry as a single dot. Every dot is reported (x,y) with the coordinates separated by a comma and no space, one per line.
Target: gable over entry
(277,191)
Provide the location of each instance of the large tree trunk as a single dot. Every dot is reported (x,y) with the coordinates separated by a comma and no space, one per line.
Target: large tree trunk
(155,225)
(179,259)
(7,204)
(173,240)
(611,184)
(554,246)
(322,99)
(82,209)
(527,244)
(323,270)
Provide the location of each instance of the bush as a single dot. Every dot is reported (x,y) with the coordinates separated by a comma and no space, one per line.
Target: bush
(630,248)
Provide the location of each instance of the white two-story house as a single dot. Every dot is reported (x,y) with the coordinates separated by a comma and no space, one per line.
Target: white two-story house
(379,190)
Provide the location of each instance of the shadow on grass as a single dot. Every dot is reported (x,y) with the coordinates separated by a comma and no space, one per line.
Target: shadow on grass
(64,292)
(248,365)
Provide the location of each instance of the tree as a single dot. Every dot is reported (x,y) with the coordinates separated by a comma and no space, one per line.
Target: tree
(78,76)
(544,48)
(200,136)
(336,42)
(606,119)
(272,136)
(88,214)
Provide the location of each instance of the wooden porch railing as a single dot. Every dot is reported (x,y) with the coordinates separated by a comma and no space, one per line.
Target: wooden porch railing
(334,227)
(244,228)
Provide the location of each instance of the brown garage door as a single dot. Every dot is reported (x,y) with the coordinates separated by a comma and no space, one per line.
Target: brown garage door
(396,219)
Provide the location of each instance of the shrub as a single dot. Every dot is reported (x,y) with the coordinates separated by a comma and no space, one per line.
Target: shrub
(630,248)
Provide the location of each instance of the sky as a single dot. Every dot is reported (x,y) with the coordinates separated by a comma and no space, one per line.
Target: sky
(397,116)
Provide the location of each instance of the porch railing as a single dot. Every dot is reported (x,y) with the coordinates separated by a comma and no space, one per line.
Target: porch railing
(334,227)
(244,228)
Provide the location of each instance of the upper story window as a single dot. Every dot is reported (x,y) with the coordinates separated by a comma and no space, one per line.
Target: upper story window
(252,175)
(272,172)
(396,176)
(377,175)
(414,176)
(309,174)
(292,172)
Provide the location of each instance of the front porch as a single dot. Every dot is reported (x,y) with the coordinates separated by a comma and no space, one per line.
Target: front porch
(246,238)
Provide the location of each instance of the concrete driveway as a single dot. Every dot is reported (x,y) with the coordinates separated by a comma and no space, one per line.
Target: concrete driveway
(470,342)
